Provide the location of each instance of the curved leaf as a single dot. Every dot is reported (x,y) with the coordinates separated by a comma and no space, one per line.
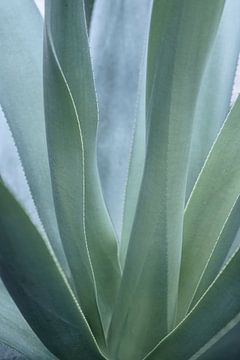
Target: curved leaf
(71,123)
(209,205)
(214,98)
(135,169)
(219,254)
(16,333)
(181,35)
(235,245)
(36,283)
(12,173)
(225,344)
(195,334)
(22,101)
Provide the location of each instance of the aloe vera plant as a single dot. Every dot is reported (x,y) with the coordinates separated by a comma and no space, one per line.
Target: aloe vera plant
(131,158)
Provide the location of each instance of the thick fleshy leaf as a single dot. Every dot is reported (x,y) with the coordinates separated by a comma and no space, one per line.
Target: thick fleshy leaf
(12,173)
(234,247)
(209,205)
(16,333)
(136,168)
(226,344)
(36,283)
(195,335)
(181,35)
(220,252)
(213,103)
(71,123)
(21,97)
(117,38)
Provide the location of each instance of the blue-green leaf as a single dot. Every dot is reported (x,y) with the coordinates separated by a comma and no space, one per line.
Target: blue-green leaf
(213,103)
(21,97)
(225,344)
(16,333)
(71,123)
(37,284)
(212,199)
(89,4)
(135,169)
(181,35)
(118,36)
(220,252)
(195,335)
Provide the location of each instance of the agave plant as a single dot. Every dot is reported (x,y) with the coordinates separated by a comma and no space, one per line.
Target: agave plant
(136,252)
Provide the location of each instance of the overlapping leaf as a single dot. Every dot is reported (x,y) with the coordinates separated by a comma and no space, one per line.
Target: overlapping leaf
(195,335)
(21,97)
(135,169)
(71,123)
(118,35)
(38,286)
(213,103)
(89,4)
(16,333)
(179,64)
(211,201)
(220,252)
(181,35)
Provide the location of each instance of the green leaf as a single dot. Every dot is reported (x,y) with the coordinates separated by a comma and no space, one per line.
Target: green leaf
(209,205)
(235,245)
(117,39)
(135,170)
(219,253)
(22,101)
(195,334)
(225,344)
(89,4)
(12,173)
(71,123)
(16,333)
(36,283)
(213,103)
(181,35)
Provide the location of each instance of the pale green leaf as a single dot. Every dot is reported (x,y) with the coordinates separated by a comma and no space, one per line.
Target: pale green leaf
(135,170)
(213,103)
(36,283)
(235,245)
(213,317)
(21,96)
(220,252)
(71,123)
(209,205)
(181,35)
(12,172)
